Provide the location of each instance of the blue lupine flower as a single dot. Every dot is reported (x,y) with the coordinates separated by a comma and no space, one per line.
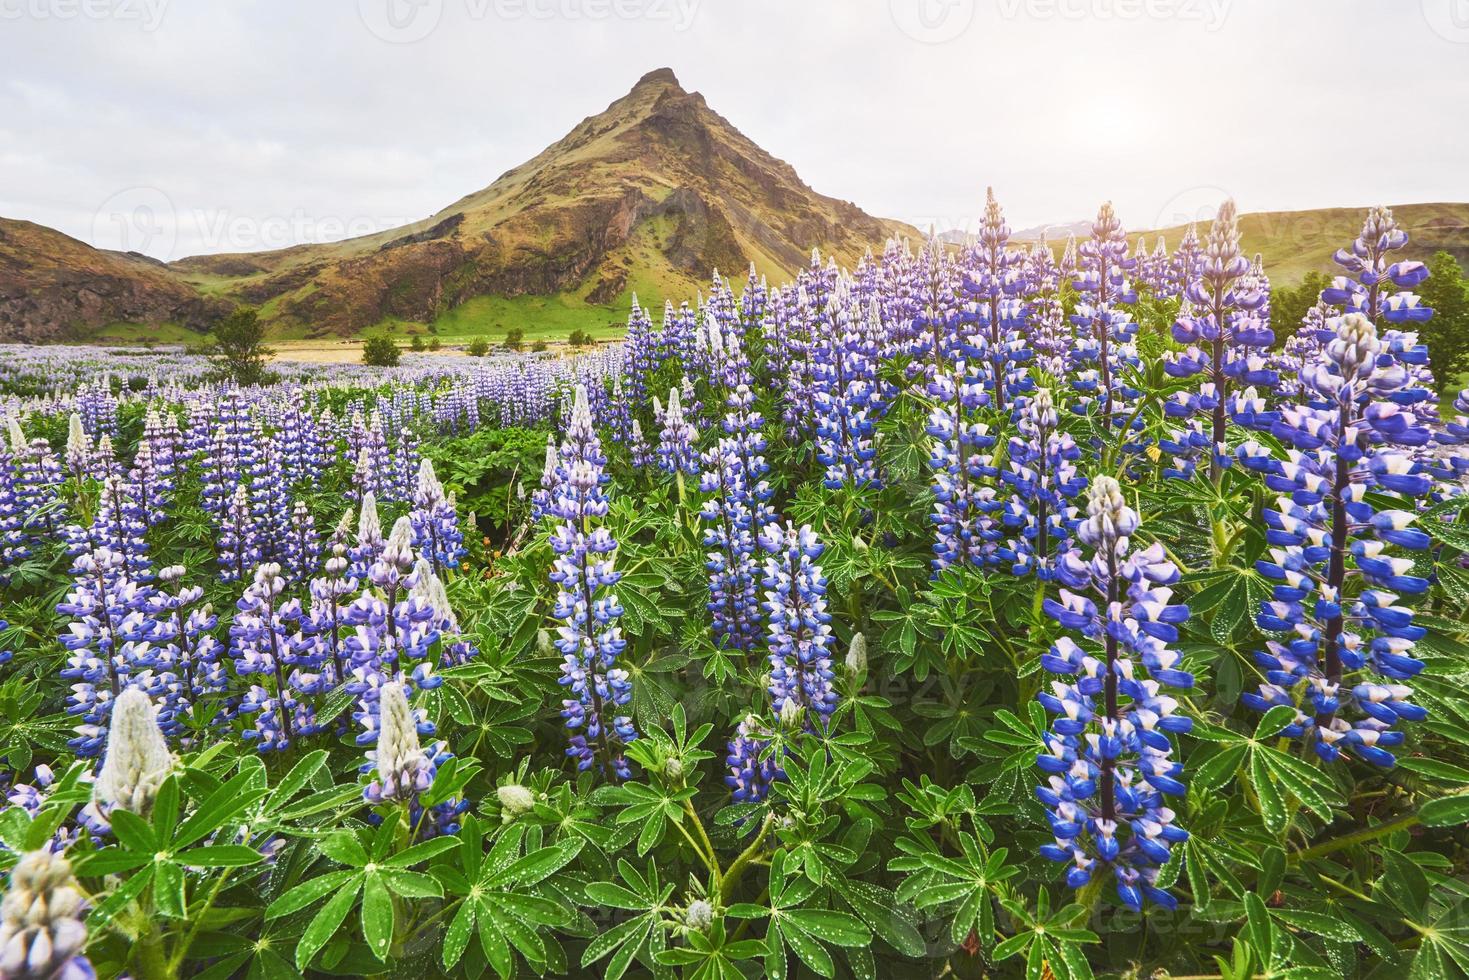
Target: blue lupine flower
(1043,477)
(589,638)
(1348,645)
(403,770)
(1108,753)
(436,531)
(847,399)
(676,451)
(964,499)
(798,626)
(996,280)
(750,776)
(1105,335)
(1224,312)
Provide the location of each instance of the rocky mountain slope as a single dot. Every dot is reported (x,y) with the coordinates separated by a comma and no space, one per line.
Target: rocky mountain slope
(650,195)
(53,287)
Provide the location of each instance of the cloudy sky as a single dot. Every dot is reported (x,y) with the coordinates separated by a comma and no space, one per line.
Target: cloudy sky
(178,127)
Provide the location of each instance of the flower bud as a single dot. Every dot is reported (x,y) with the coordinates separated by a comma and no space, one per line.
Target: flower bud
(137,759)
(515,800)
(857,655)
(41,930)
(699,915)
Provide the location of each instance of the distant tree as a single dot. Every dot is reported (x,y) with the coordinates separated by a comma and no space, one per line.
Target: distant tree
(1288,305)
(580,338)
(538,347)
(479,347)
(237,347)
(514,338)
(416,344)
(1447,334)
(380,352)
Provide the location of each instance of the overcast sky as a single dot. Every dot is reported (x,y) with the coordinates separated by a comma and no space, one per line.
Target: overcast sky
(176,127)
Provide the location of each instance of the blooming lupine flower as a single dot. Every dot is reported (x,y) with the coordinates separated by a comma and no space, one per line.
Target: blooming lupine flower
(1225,318)
(1042,474)
(589,639)
(187,654)
(996,281)
(797,623)
(137,760)
(402,769)
(107,641)
(435,525)
(847,401)
(749,776)
(1105,332)
(676,452)
(261,644)
(302,545)
(964,502)
(1109,764)
(1346,639)
(730,535)
(42,936)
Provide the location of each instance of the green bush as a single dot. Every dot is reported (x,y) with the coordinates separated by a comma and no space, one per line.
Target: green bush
(479,347)
(380,352)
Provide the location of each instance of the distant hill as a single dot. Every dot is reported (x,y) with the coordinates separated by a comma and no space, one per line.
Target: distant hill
(1294,243)
(53,287)
(649,196)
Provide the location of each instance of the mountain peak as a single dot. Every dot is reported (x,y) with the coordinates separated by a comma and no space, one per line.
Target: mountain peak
(659,77)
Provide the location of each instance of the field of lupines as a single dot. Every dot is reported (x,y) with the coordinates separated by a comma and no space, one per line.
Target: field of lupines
(974,612)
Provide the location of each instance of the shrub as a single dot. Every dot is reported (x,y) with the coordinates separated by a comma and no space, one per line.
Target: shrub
(380,352)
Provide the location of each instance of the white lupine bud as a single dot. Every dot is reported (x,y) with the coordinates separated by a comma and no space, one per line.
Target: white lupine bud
(699,915)
(857,655)
(399,549)
(78,446)
(400,759)
(515,800)
(673,768)
(790,713)
(17,437)
(544,645)
(369,528)
(41,931)
(429,486)
(137,759)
